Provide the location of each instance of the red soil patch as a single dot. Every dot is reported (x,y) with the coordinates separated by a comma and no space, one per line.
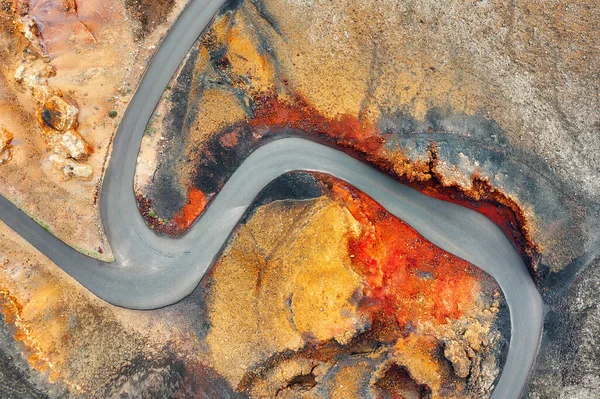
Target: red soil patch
(346,130)
(196,202)
(407,276)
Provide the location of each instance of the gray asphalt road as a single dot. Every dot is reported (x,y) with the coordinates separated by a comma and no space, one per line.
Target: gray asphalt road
(152,271)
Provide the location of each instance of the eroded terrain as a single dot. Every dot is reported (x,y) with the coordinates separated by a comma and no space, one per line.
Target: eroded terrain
(372,83)
(319,292)
(68,71)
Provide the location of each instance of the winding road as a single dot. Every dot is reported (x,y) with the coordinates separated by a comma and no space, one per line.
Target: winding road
(152,271)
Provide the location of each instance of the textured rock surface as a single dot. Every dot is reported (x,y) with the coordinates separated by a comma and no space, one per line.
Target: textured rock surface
(439,103)
(65,68)
(569,362)
(5,140)
(490,104)
(60,341)
(310,298)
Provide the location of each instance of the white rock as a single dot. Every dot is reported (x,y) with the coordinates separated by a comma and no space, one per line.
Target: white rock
(71,168)
(73,144)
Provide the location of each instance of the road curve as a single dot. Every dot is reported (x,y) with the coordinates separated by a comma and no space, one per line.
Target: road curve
(152,271)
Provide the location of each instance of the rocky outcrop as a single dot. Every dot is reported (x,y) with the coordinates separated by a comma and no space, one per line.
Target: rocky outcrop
(33,75)
(5,140)
(28,26)
(70,168)
(56,113)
